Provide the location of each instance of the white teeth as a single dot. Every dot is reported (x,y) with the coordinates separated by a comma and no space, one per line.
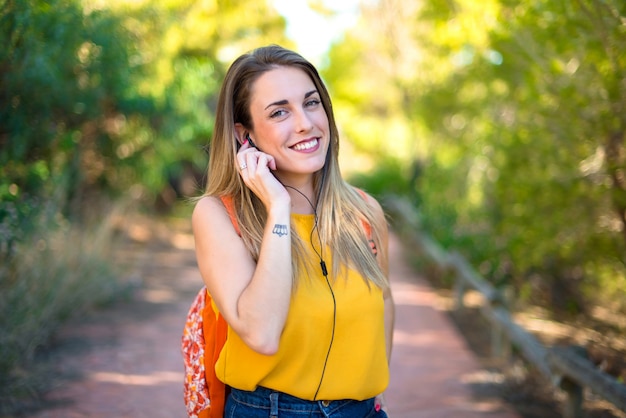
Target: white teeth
(305,145)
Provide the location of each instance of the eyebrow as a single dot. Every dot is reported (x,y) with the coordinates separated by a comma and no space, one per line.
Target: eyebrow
(284,102)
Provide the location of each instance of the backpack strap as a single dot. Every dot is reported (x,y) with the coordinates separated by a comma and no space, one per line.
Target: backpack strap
(368,228)
(230,208)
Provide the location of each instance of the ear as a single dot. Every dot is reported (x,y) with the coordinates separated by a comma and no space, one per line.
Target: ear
(240,133)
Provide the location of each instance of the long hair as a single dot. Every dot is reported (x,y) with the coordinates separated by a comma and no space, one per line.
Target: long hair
(341,211)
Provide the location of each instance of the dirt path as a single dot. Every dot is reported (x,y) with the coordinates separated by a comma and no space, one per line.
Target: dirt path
(126,362)
(433,373)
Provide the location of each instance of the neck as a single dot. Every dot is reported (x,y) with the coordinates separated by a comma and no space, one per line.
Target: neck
(303,200)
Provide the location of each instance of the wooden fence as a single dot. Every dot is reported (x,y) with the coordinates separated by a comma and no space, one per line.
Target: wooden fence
(565,367)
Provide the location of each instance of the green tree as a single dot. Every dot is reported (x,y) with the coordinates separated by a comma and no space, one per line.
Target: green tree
(114,97)
(565,105)
(185,47)
(516,111)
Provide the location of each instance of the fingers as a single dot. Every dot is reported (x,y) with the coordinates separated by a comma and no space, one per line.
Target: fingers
(249,160)
(241,159)
(271,163)
(255,168)
(240,156)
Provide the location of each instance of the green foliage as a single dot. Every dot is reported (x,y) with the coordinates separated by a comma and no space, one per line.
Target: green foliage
(185,48)
(388,177)
(552,132)
(114,98)
(516,113)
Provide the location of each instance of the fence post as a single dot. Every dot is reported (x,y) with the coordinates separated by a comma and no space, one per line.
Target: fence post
(508,299)
(459,293)
(500,344)
(573,407)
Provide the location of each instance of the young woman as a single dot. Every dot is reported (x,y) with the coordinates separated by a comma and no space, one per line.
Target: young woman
(294,258)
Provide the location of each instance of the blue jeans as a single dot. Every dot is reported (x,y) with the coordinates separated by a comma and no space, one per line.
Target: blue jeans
(267,403)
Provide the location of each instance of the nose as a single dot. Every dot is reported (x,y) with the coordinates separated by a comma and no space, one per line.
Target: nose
(303,121)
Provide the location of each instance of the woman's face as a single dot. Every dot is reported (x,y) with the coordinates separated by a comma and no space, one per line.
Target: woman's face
(289,121)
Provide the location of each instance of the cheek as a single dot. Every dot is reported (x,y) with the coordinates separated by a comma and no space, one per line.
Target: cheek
(268,138)
(323,121)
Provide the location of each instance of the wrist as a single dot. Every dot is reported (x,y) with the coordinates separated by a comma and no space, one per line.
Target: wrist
(278,213)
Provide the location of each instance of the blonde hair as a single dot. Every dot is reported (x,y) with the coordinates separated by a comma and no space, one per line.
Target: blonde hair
(341,210)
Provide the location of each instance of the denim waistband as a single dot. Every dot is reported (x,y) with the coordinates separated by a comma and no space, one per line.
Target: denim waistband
(275,401)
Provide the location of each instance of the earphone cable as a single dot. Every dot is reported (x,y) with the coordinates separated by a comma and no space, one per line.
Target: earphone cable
(320,254)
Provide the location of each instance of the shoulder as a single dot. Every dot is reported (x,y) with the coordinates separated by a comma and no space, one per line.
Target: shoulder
(209,212)
(207,205)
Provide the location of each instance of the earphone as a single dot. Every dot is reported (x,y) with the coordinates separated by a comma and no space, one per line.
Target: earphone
(252,144)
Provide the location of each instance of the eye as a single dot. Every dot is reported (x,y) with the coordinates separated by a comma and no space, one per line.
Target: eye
(278,113)
(312,103)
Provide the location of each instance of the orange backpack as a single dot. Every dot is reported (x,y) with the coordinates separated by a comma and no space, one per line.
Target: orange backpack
(204,336)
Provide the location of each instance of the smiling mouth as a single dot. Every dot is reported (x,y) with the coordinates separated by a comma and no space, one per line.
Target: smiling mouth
(306,145)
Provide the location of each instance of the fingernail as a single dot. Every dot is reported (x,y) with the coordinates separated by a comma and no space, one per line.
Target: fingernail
(377,407)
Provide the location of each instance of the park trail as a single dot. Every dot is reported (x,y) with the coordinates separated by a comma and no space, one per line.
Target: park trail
(125,361)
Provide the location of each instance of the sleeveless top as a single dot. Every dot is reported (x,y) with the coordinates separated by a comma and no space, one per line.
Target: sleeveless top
(356,367)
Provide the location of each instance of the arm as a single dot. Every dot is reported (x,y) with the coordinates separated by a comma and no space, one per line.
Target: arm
(253,297)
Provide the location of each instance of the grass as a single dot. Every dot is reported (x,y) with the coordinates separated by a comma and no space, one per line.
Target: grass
(55,273)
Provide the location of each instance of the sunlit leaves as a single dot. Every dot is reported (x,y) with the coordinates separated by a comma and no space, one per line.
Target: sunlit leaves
(520,110)
(117,94)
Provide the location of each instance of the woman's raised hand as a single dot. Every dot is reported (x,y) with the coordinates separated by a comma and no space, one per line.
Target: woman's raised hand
(255,168)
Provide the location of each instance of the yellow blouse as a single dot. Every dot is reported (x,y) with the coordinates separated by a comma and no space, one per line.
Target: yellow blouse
(357,363)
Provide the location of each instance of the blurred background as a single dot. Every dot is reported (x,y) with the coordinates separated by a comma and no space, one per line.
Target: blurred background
(502,122)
